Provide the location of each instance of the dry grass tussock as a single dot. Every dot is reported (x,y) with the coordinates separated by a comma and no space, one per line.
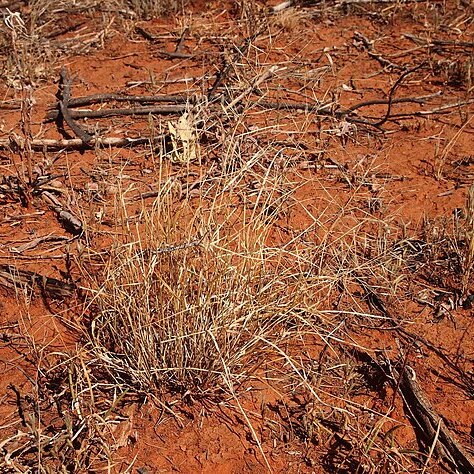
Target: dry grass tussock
(187,302)
(192,300)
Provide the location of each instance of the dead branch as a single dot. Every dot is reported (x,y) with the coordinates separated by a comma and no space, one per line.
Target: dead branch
(146,110)
(430,43)
(65,96)
(429,423)
(142,99)
(78,144)
(71,223)
(369,46)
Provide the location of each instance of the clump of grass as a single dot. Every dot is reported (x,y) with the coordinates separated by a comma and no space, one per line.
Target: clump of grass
(188,298)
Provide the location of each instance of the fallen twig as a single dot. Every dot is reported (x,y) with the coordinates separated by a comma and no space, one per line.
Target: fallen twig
(430,423)
(77,143)
(369,46)
(145,110)
(65,94)
(430,43)
(72,223)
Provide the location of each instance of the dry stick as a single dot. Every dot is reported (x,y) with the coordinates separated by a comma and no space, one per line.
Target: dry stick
(152,109)
(369,45)
(419,407)
(392,91)
(435,42)
(77,143)
(101,98)
(65,91)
